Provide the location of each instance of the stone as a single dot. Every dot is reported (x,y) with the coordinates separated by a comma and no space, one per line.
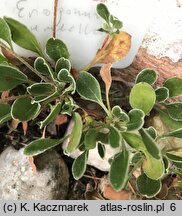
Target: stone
(94,158)
(19,182)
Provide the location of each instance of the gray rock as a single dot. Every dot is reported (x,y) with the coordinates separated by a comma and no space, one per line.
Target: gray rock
(18,181)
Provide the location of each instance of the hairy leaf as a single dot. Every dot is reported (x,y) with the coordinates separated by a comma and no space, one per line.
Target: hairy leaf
(103,137)
(120,114)
(5,32)
(75,136)
(114,137)
(103,11)
(55,49)
(152,132)
(91,138)
(38,89)
(175,111)
(148,187)
(65,76)
(23,37)
(150,144)
(117,24)
(88,87)
(23,110)
(174,85)
(41,145)
(119,170)
(162,94)
(10,77)
(4,112)
(134,140)
(79,165)
(42,66)
(142,96)
(63,63)
(69,106)
(152,167)
(176,133)
(147,75)
(175,156)
(136,117)
(44,98)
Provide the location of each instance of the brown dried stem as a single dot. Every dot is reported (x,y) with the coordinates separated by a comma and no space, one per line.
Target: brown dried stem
(55,18)
(3,46)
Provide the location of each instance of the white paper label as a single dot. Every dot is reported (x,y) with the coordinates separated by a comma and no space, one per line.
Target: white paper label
(77,23)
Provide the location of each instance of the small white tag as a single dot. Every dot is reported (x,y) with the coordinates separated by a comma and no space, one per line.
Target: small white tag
(77,23)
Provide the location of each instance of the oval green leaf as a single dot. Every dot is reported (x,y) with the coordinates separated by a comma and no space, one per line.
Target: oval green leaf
(152,132)
(162,94)
(88,87)
(41,145)
(91,138)
(23,37)
(174,156)
(134,140)
(103,137)
(175,111)
(119,114)
(150,144)
(63,63)
(152,167)
(142,97)
(75,136)
(42,66)
(10,77)
(39,89)
(65,76)
(5,112)
(23,110)
(56,49)
(79,165)
(174,85)
(148,187)
(176,133)
(114,137)
(136,117)
(117,24)
(103,12)
(147,75)
(5,32)
(119,170)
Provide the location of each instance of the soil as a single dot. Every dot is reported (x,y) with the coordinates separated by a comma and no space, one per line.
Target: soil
(88,187)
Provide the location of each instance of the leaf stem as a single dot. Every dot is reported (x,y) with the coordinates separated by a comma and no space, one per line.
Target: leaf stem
(55,18)
(106,110)
(108,103)
(2,45)
(12,98)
